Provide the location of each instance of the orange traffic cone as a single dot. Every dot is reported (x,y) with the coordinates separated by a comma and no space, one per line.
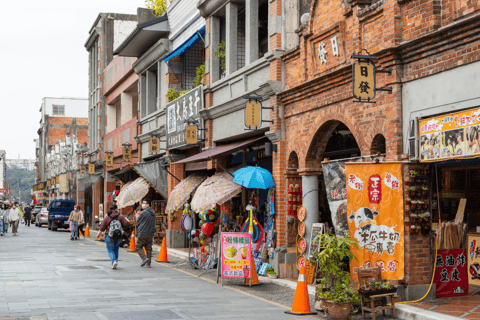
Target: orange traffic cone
(87,232)
(301,302)
(162,255)
(253,274)
(131,247)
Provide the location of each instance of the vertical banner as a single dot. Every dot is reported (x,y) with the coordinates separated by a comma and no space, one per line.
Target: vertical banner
(236,255)
(63,183)
(375,209)
(154,144)
(474,260)
(451,276)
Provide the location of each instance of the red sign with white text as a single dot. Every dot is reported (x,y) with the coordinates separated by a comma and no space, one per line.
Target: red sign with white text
(451,275)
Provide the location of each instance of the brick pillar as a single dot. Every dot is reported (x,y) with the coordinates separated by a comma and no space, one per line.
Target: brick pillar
(279,165)
(97,189)
(175,236)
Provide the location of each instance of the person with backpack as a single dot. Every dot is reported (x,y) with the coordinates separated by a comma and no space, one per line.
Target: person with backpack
(145,233)
(113,223)
(75,219)
(27,215)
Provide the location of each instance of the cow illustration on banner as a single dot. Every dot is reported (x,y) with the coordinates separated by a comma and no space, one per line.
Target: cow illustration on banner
(375,217)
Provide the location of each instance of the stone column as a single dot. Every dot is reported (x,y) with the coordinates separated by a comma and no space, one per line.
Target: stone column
(231,25)
(111,117)
(214,40)
(126,102)
(251,31)
(310,202)
(151,92)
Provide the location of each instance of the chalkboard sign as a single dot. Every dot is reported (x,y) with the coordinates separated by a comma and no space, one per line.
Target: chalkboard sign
(317,229)
(457,180)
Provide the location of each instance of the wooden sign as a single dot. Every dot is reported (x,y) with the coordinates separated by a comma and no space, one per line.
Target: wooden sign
(52,182)
(127,153)
(363,80)
(253,114)
(309,272)
(83,170)
(48,183)
(461,210)
(154,144)
(69,175)
(109,160)
(41,186)
(57,179)
(91,168)
(191,134)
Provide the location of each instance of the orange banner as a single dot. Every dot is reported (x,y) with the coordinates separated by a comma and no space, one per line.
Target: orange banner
(375,217)
(453,135)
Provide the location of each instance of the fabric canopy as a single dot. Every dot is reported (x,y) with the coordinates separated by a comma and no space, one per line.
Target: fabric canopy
(154,174)
(186,45)
(217,189)
(132,192)
(182,192)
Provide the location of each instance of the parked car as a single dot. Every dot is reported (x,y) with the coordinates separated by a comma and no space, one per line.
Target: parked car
(35,211)
(42,217)
(58,213)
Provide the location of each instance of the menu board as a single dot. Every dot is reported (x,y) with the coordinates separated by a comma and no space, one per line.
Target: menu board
(317,229)
(236,255)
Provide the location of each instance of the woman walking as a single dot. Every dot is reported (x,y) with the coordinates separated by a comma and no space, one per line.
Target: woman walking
(110,223)
(75,219)
(15,216)
(81,225)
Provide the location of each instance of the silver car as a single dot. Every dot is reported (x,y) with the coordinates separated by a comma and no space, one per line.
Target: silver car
(41,217)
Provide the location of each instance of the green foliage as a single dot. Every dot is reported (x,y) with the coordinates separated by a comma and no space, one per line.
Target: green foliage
(199,73)
(157,6)
(173,94)
(27,180)
(329,255)
(220,54)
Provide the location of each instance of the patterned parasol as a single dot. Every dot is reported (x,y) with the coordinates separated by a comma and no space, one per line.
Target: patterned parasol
(217,189)
(181,193)
(132,192)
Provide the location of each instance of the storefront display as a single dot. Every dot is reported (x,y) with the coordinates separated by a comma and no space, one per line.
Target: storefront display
(236,255)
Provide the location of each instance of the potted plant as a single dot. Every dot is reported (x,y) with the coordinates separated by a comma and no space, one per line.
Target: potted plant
(334,287)
(412,229)
(412,173)
(407,221)
(424,190)
(412,190)
(408,200)
(271,273)
(417,229)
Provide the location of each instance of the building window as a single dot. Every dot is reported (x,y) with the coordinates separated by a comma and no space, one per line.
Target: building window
(263,42)
(58,110)
(241,39)
(193,58)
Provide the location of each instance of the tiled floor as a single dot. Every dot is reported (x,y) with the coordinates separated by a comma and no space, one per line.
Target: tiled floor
(467,307)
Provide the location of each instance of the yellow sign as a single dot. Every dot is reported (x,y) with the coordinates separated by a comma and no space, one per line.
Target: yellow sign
(191,134)
(48,183)
(127,153)
(154,145)
(253,114)
(83,170)
(57,179)
(453,135)
(363,80)
(473,258)
(41,185)
(109,160)
(91,168)
(53,181)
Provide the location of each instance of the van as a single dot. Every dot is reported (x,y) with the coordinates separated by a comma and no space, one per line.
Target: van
(58,214)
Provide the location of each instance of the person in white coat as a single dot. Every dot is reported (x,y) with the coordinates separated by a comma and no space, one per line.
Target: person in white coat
(15,216)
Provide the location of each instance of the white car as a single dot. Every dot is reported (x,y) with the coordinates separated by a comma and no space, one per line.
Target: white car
(41,217)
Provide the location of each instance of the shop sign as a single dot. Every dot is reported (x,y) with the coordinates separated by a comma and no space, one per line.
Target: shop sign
(57,179)
(451,275)
(182,109)
(474,260)
(236,255)
(364,80)
(53,181)
(154,144)
(83,170)
(41,185)
(48,183)
(109,160)
(375,217)
(63,181)
(91,168)
(191,134)
(127,153)
(6,190)
(454,135)
(253,114)
(40,195)
(69,175)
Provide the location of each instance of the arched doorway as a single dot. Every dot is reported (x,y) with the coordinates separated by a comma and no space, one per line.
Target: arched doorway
(378,145)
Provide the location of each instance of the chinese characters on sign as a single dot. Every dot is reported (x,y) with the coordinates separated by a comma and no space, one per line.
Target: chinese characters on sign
(154,145)
(109,160)
(236,255)
(474,260)
(322,51)
(186,107)
(83,170)
(451,273)
(253,114)
(127,153)
(363,80)
(191,134)
(91,168)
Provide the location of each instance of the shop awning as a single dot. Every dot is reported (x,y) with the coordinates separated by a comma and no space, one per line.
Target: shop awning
(124,170)
(132,193)
(182,192)
(155,176)
(190,42)
(221,150)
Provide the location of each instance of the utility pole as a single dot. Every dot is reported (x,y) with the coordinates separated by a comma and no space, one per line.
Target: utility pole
(19,195)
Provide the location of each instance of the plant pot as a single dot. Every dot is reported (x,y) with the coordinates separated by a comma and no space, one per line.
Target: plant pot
(272,276)
(338,312)
(417,230)
(290,219)
(320,304)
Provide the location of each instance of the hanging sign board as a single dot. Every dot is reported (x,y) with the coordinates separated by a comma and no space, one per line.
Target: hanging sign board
(191,134)
(83,170)
(57,179)
(375,217)
(186,107)
(63,181)
(40,195)
(363,80)
(454,135)
(253,114)
(41,185)
(154,145)
(48,183)
(109,160)
(474,260)
(91,168)
(52,182)
(236,255)
(451,275)
(127,153)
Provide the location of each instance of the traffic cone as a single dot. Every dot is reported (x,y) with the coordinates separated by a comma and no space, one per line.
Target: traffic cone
(87,232)
(253,274)
(162,255)
(301,303)
(131,248)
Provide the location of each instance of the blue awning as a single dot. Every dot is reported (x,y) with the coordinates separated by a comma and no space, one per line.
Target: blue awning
(193,40)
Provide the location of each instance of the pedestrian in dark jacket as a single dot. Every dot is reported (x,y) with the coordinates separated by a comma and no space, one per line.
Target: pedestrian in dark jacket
(113,245)
(145,233)
(27,215)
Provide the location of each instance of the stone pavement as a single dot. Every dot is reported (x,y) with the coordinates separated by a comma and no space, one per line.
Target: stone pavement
(44,275)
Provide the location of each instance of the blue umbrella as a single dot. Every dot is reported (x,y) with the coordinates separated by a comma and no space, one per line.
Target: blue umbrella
(254,178)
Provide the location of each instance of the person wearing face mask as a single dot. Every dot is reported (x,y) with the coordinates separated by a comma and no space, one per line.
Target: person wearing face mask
(145,233)
(15,216)
(75,218)
(113,245)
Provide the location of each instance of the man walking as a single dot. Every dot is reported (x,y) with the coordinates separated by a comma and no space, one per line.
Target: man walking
(27,216)
(15,216)
(145,232)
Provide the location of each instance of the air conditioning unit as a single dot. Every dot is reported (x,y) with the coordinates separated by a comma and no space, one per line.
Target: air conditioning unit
(412,140)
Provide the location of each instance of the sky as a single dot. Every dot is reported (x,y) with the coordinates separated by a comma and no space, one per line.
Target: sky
(43,56)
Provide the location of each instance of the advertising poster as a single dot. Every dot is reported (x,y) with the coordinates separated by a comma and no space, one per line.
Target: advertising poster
(40,195)
(236,255)
(451,273)
(473,259)
(375,217)
(454,135)
(63,183)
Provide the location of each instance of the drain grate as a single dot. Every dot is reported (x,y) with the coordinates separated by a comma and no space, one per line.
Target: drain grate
(164,314)
(83,268)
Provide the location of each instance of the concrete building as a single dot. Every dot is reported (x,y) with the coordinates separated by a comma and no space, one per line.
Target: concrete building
(3,172)
(27,164)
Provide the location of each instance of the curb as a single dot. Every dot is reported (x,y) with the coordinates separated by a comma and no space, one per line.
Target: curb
(406,312)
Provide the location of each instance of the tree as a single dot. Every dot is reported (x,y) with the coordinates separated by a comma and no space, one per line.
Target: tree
(157,6)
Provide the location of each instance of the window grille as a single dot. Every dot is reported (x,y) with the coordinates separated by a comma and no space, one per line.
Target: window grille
(241,40)
(191,60)
(58,110)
